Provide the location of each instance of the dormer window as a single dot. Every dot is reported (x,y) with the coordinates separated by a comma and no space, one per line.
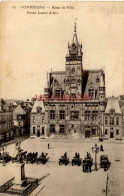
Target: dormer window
(39,109)
(112,111)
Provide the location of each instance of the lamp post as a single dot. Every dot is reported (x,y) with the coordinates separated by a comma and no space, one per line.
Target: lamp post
(95,149)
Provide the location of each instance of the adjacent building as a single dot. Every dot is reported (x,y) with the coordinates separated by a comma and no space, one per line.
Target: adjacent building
(113,119)
(19,120)
(68,109)
(6,122)
(121,103)
(37,124)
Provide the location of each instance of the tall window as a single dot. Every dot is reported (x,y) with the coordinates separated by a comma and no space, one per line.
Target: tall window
(62,114)
(111,120)
(75,115)
(87,116)
(95,115)
(91,92)
(106,131)
(117,132)
(52,114)
(57,92)
(106,120)
(19,123)
(33,130)
(73,70)
(52,128)
(33,119)
(93,131)
(43,130)
(117,121)
(62,128)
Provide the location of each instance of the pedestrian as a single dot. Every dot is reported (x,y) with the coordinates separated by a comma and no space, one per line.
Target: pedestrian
(101,148)
(76,155)
(89,166)
(48,146)
(65,155)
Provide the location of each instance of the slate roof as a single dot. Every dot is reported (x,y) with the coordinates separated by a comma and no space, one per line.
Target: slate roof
(38,104)
(113,104)
(19,110)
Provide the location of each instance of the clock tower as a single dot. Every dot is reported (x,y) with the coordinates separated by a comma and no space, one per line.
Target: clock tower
(73,78)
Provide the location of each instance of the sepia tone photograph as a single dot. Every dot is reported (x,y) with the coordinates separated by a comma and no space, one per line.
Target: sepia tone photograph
(61,98)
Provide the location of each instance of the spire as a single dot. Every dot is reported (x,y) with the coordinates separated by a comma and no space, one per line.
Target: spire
(75,26)
(75,39)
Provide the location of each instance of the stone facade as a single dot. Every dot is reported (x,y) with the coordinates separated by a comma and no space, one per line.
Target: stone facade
(37,125)
(6,122)
(19,120)
(113,119)
(77,115)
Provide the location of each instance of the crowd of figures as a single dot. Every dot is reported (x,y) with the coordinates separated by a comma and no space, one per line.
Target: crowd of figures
(23,156)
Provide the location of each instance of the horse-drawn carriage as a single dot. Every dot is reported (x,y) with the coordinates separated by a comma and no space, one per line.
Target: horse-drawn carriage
(104,162)
(42,158)
(31,157)
(63,160)
(5,157)
(20,156)
(76,161)
(87,164)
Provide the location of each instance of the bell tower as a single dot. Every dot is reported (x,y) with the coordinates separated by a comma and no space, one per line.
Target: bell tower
(73,78)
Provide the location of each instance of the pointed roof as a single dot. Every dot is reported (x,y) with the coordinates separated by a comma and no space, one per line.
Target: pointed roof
(38,104)
(112,103)
(19,110)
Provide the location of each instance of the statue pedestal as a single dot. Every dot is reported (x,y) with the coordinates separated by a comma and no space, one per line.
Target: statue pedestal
(19,173)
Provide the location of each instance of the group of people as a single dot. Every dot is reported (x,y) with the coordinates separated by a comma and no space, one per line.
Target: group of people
(77,155)
(87,163)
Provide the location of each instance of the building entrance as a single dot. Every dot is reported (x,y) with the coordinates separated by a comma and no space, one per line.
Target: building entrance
(111,134)
(38,133)
(87,133)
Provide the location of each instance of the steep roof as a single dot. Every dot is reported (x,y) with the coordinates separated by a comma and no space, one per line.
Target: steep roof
(19,110)
(38,104)
(113,104)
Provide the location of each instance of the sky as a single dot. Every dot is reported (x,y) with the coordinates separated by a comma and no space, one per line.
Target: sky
(33,44)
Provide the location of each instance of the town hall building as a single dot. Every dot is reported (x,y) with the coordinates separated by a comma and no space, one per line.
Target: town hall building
(82,114)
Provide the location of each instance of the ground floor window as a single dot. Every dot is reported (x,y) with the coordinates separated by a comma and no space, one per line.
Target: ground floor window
(52,128)
(33,130)
(117,132)
(62,128)
(93,131)
(43,130)
(106,131)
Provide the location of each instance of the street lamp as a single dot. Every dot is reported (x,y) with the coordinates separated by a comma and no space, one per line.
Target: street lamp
(95,149)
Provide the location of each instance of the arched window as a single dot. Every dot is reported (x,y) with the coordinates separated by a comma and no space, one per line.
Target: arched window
(73,70)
